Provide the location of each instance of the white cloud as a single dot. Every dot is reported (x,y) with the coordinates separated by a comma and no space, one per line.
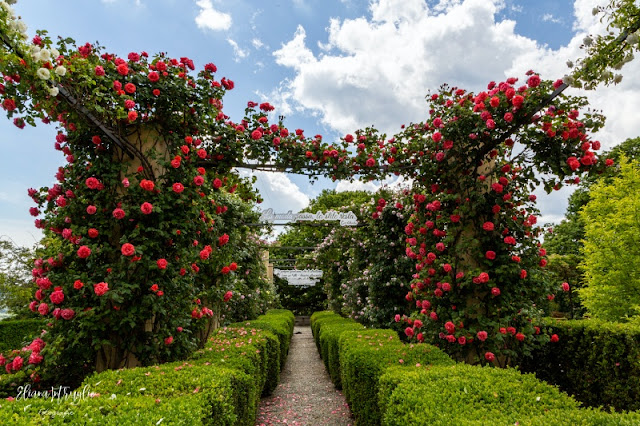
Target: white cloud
(378,69)
(548,17)
(238,52)
(21,232)
(257,43)
(278,191)
(210,18)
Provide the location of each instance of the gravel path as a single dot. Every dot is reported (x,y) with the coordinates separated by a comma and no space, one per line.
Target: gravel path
(305,395)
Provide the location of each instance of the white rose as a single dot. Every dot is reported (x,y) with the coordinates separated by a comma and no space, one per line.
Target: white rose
(45,55)
(44,74)
(61,71)
(53,91)
(54,53)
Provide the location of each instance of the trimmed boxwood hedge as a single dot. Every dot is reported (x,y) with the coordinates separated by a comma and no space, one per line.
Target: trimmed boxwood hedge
(598,362)
(220,385)
(15,333)
(473,395)
(388,382)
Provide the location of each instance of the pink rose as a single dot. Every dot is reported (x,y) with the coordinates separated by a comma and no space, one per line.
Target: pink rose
(84,252)
(146,208)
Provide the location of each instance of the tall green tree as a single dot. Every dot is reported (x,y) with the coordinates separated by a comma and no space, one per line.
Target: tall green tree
(612,246)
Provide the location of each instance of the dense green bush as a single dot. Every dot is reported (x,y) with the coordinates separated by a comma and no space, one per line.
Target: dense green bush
(473,395)
(596,361)
(220,385)
(14,334)
(364,358)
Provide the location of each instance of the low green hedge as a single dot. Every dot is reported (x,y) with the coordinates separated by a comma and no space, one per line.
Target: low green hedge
(220,385)
(364,358)
(598,362)
(388,382)
(103,410)
(14,334)
(473,395)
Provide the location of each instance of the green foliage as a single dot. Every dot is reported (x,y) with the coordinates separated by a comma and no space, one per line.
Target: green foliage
(221,385)
(15,278)
(14,334)
(612,246)
(598,362)
(305,301)
(366,269)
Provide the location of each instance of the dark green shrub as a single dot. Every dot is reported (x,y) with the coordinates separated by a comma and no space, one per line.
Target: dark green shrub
(596,361)
(14,334)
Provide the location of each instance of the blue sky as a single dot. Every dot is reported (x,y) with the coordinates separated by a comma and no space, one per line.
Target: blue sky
(329,66)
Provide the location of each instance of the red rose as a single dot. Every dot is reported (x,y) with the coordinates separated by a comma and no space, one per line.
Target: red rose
(18,362)
(217,183)
(178,188)
(154,76)
(9,104)
(146,208)
(450,327)
(93,233)
(204,254)
(99,71)
(511,330)
(154,288)
(495,291)
(225,270)
(128,249)
(162,263)
(223,239)
(43,309)
(497,187)
(440,247)
(565,286)
(517,101)
(490,255)
(228,295)
(520,337)
(67,314)
(168,340)
(132,115)
(123,69)
(533,81)
(91,209)
(554,338)
(489,356)
(57,297)
(488,226)
(482,335)
(84,252)
(78,284)
(409,332)
(101,288)
(523,274)
(198,180)
(119,213)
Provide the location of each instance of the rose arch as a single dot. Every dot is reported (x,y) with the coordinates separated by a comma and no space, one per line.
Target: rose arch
(145,226)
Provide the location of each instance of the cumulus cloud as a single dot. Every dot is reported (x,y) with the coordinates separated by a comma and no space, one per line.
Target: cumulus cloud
(210,18)
(278,191)
(377,69)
